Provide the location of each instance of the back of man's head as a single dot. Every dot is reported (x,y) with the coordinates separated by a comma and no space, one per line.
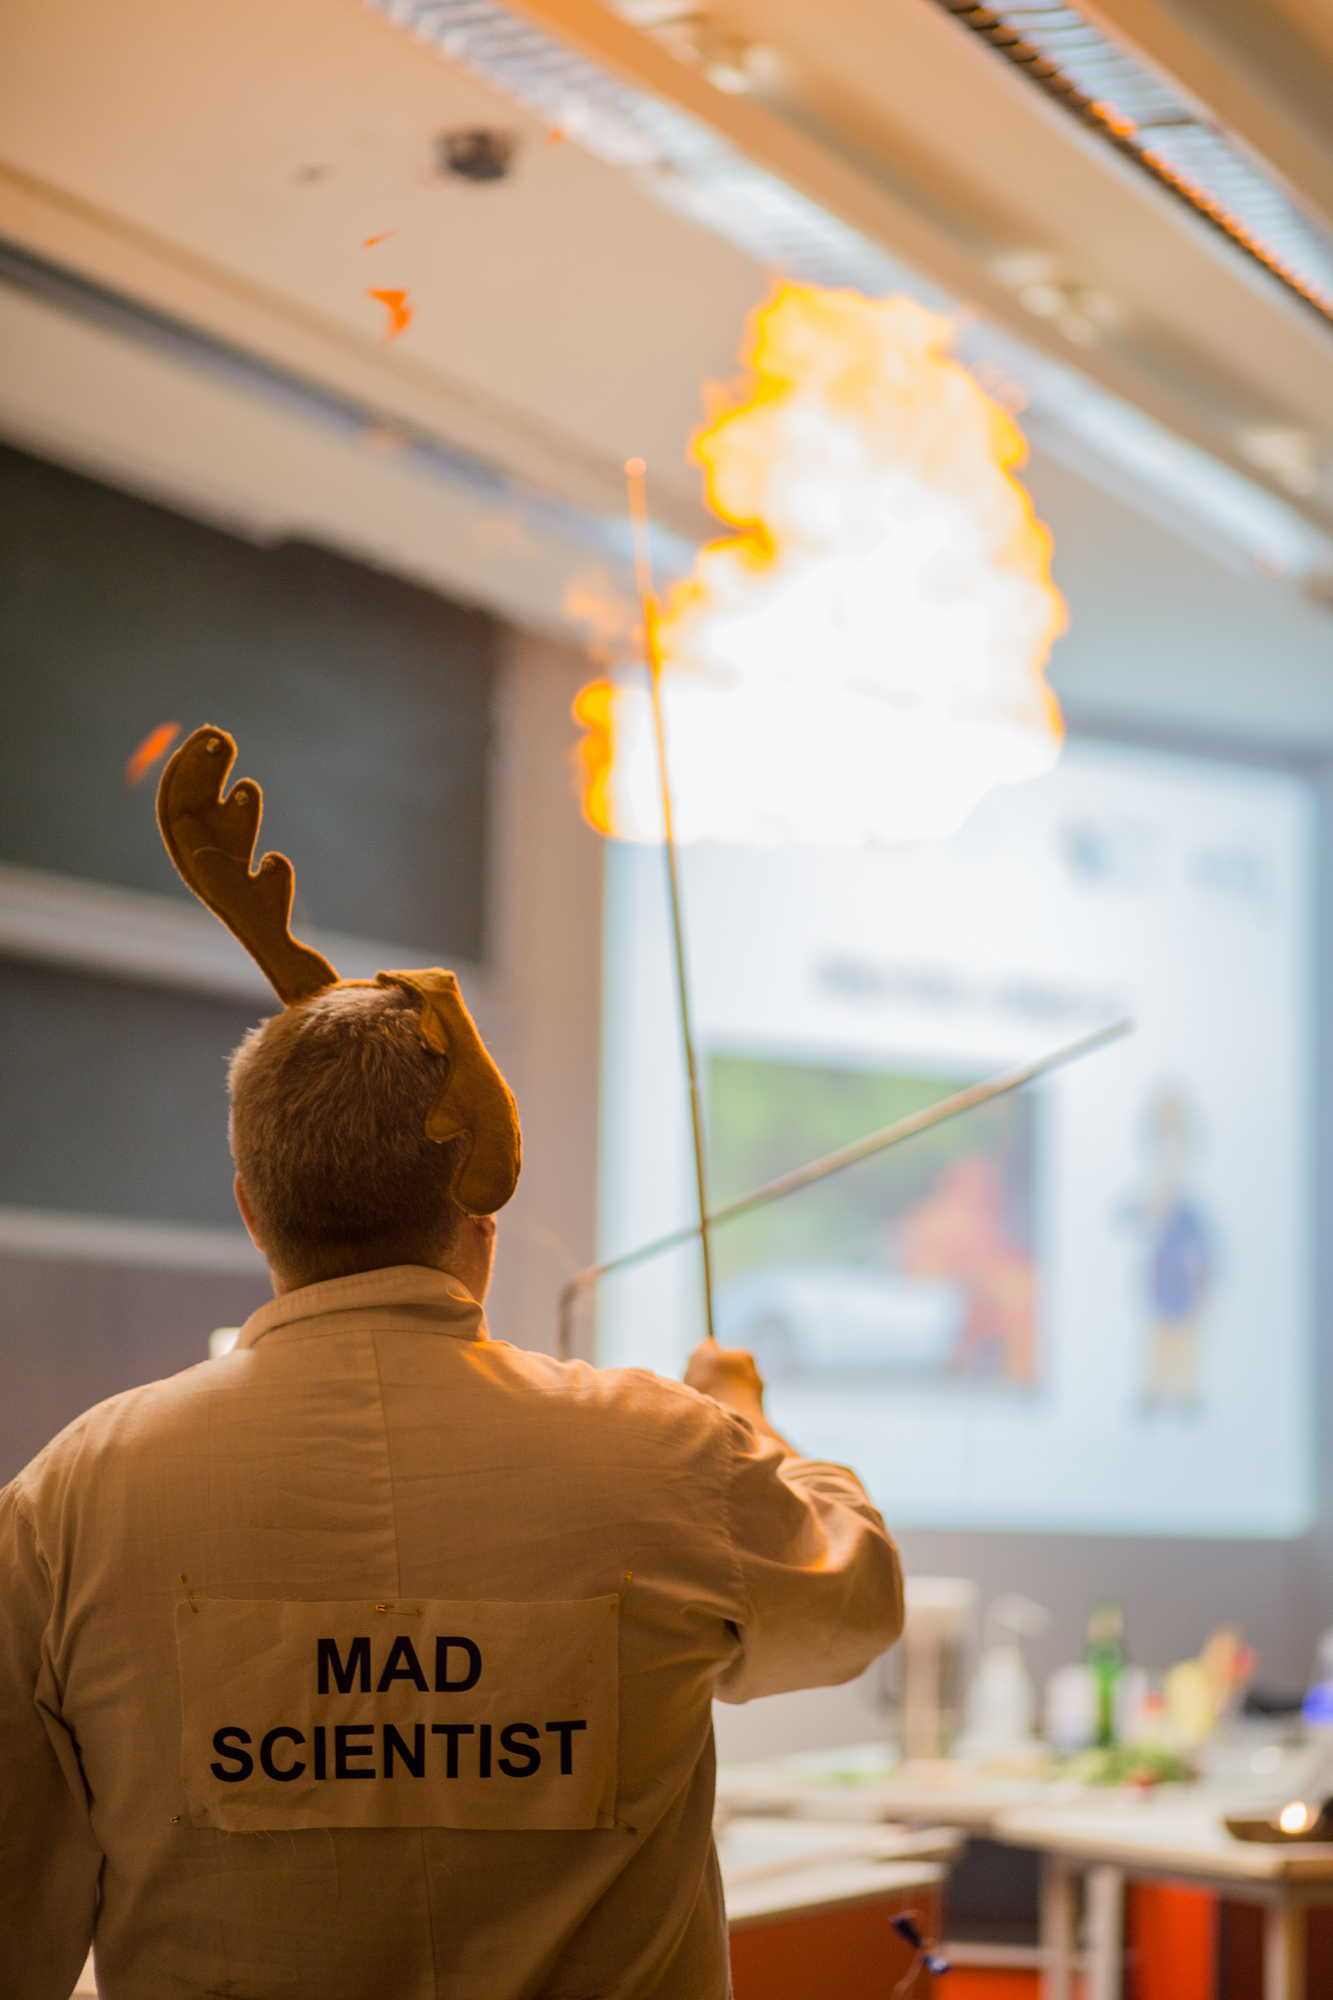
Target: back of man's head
(328,1130)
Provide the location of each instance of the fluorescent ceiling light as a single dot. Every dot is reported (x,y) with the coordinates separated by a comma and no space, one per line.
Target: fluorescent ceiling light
(1152,123)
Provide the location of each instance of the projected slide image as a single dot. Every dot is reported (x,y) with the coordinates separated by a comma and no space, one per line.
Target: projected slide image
(918,1263)
(1086,1308)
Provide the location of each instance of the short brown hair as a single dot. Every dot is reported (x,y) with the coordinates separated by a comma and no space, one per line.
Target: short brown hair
(328,1132)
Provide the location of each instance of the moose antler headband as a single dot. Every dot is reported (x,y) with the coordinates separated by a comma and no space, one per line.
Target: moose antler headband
(212,840)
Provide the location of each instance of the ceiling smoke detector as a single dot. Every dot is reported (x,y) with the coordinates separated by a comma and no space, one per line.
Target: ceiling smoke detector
(476,155)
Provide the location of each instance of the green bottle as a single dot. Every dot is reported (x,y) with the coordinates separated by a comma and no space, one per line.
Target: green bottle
(1106,1658)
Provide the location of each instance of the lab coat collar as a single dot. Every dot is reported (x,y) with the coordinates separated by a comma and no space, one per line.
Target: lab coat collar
(426,1300)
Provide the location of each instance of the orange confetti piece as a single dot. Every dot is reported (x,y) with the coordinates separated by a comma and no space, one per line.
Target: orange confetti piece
(371,241)
(555,135)
(154,745)
(399,311)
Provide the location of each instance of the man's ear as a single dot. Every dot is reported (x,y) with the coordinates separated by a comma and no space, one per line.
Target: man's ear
(247,1213)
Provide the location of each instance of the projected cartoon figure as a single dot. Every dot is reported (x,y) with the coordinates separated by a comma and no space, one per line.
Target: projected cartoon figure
(1178,1269)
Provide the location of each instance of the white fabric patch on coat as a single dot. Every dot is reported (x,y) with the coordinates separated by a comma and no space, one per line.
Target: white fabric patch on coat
(489,1716)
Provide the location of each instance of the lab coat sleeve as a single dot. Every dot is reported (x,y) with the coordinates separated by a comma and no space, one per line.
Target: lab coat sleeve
(821,1587)
(49,1860)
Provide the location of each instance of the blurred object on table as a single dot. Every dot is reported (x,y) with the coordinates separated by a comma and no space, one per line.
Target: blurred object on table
(1070,1721)
(1317,1708)
(1002,1702)
(1142,1765)
(1199,1693)
(1105,1660)
(939,1615)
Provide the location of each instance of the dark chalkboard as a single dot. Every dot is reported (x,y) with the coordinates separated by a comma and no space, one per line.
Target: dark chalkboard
(360,703)
(113,1097)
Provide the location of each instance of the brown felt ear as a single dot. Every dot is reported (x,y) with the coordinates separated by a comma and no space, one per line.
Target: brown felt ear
(476,1103)
(212,842)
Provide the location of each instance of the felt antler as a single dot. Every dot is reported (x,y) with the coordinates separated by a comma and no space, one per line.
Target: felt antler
(212,842)
(476,1103)
(212,839)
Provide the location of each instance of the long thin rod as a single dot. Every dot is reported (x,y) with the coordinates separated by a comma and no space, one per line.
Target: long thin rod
(846,1156)
(637,481)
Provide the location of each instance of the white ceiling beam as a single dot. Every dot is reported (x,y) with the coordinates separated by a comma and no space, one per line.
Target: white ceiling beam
(93,927)
(183,282)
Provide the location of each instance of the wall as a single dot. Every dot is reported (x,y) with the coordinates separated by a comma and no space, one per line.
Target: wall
(546,983)
(1170,634)
(114,1096)
(73,1333)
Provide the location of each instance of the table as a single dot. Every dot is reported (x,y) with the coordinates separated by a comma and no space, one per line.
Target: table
(772,1865)
(1161,1839)
(937,1792)
(858,1784)
(808,1903)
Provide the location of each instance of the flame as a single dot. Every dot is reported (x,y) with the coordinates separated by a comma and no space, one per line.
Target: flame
(863,659)
(156,744)
(593,708)
(399,311)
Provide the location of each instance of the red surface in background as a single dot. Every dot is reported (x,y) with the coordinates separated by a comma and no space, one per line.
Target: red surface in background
(1171,1934)
(977,1982)
(836,1955)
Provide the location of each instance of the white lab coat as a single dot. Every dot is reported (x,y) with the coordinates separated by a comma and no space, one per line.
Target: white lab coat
(368,1456)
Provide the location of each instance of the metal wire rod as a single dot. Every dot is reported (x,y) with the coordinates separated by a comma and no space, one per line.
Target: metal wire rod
(833,1163)
(637,481)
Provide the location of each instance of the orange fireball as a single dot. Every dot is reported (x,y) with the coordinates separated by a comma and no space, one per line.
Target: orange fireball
(864,658)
